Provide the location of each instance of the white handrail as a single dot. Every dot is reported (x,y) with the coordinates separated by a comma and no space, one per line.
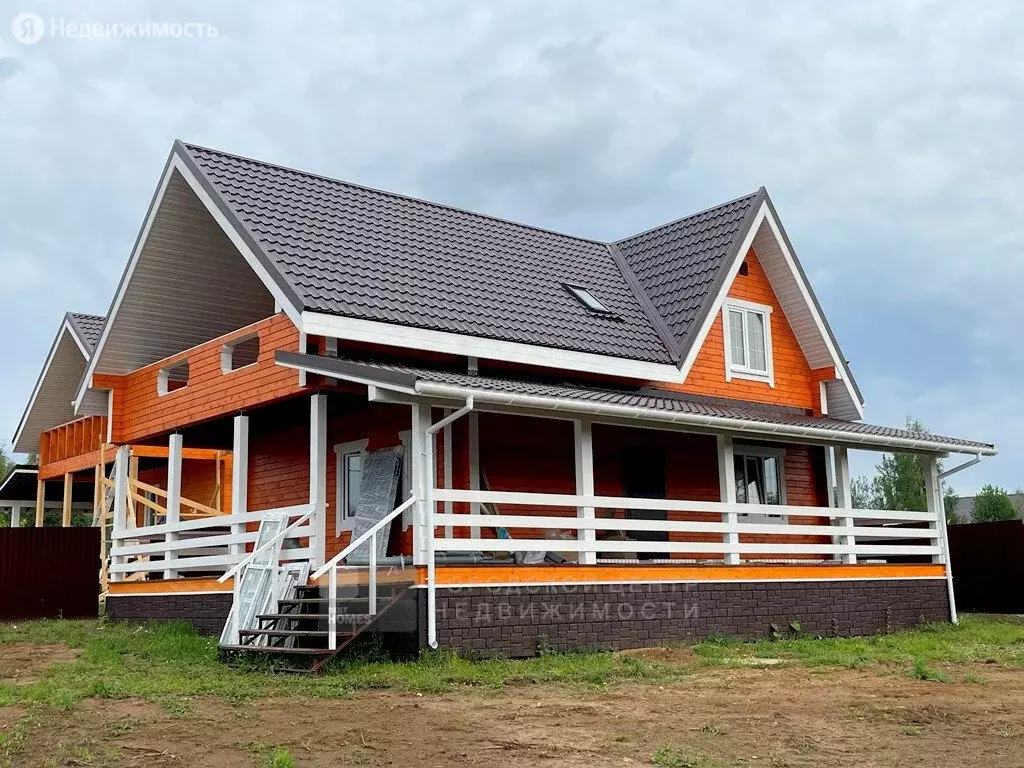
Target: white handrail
(252,556)
(362,538)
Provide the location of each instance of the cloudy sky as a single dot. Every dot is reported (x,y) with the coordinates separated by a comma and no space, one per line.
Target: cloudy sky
(888,133)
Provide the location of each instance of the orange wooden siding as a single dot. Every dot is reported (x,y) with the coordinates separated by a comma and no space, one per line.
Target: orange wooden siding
(795,382)
(140,412)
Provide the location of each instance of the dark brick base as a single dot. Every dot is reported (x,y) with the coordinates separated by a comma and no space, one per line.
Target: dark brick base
(206,612)
(518,621)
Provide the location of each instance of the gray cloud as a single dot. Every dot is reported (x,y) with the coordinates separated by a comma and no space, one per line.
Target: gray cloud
(887,133)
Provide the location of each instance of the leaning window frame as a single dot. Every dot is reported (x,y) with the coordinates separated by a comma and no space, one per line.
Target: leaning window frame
(343,522)
(779,454)
(742,371)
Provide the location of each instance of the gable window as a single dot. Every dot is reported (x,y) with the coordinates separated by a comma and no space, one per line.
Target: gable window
(759,478)
(748,341)
(348,484)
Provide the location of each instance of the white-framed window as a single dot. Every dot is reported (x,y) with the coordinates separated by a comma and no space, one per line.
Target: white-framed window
(348,463)
(748,341)
(760,479)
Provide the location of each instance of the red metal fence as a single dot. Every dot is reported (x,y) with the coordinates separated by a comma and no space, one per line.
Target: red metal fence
(988,566)
(48,573)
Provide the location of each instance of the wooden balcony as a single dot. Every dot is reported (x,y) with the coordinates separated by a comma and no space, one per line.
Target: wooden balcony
(75,439)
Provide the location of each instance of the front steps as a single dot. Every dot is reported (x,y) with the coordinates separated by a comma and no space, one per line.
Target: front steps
(295,637)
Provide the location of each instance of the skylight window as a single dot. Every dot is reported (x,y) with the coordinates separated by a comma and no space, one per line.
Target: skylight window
(587,299)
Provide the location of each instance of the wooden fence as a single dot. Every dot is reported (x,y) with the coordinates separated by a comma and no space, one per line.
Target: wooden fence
(48,573)
(988,566)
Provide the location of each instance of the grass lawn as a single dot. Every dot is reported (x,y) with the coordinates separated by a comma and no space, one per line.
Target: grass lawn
(168,662)
(156,692)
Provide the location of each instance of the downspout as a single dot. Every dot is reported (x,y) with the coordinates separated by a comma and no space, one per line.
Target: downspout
(945,534)
(428,449)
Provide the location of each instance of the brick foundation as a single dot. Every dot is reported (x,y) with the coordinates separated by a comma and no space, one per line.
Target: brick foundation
(518,621)
(207,612)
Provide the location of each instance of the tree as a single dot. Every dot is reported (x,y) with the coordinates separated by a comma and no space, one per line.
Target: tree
(5,463)
(993,504)
(899,483)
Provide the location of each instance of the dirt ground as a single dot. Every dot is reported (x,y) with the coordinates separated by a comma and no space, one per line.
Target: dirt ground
(774,716)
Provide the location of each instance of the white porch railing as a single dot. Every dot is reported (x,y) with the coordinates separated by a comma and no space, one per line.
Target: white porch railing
(844,533)
(331,568)
(214,544)
(872,531)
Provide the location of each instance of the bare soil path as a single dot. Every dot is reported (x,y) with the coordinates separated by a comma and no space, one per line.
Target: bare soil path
(774,716)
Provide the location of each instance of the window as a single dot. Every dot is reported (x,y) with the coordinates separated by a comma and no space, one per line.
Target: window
(240,353)
(349,468)
(172,378)
(587,299)
(748,341)
(759,477)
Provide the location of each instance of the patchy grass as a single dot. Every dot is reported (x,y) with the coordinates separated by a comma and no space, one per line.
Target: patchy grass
(672,757)
(974,639)
(169,663)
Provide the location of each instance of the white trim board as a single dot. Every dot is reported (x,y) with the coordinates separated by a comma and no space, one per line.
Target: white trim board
(176,164)
(373,331)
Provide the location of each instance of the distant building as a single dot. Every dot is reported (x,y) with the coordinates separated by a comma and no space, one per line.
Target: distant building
(965,506)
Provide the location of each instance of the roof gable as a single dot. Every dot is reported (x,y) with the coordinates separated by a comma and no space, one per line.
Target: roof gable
(363,253)
(51,402)
(680,264)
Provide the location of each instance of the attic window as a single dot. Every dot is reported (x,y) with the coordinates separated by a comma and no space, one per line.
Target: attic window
(744,269)
(587,299)
(172,378)
(240,353)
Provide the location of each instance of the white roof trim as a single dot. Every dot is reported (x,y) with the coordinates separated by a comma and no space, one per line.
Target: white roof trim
(372,331)
(714,423)
(176,164)
(65,327)
(764,215)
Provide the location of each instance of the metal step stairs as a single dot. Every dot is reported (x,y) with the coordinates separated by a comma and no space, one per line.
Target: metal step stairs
(295,637)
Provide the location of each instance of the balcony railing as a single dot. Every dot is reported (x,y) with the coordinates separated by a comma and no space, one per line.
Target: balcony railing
(76,438)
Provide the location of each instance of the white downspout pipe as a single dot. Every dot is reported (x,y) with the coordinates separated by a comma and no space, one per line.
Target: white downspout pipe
(428,460)
(940,505)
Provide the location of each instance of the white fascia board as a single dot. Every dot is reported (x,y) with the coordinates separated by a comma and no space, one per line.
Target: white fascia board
(365,381)
(713,423)
(64,328)
(765,215)
(372,331)
(177,164)
(123,286)
(837,361)
(734,268)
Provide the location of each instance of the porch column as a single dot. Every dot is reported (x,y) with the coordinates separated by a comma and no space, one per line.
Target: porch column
(933,493)
(474,468)
(727,494)
(421,481)
(844,500)
(584,444)
(173,501)
(239,477)
(318,476)
(16,516)
(120,507)
(65,516)
(40,502)
(449,475)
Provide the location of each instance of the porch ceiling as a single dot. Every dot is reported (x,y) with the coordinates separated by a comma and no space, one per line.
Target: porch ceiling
(637,403)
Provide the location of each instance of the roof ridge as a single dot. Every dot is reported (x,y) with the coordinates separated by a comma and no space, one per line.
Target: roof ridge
(694,215)
(398,195)
(657,320)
